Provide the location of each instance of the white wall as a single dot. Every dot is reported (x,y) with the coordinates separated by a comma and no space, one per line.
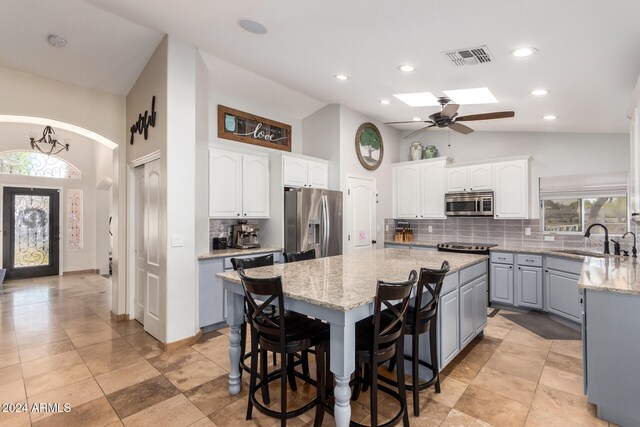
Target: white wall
(350,120)
(554,154)
(321,134)
(104,184)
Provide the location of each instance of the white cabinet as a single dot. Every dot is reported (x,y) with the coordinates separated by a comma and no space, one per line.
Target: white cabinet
(407,179)
(297,172)
(255,186)
(418,189)
(511,189)
(317,174)
(238,185)
(461,179)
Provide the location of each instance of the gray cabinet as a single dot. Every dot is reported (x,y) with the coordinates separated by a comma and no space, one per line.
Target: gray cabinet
(480,290)
(467,313)
(502,283)
(449,316)
(563,297)
(529,287)
(528,281)
(473,309)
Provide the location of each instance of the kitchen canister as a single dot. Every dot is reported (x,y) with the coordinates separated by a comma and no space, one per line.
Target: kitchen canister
(430,151)
(416,150)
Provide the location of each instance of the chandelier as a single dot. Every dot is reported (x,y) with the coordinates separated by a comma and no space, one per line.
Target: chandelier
(52,143)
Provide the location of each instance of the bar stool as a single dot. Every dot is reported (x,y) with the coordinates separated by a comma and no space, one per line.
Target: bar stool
(284,335)
(299,256)
(379,339)
(422,317)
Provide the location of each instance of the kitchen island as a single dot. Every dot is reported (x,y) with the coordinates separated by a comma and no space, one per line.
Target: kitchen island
(341,289)
(611,337)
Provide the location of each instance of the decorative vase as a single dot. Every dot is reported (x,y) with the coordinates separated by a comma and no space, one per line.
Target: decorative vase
(416,150)
(430,151)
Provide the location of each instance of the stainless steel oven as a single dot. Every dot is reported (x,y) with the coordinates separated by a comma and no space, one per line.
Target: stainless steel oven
(469,204)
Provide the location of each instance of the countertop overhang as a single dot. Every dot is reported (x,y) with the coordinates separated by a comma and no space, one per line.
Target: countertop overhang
(345,282)
(222,253)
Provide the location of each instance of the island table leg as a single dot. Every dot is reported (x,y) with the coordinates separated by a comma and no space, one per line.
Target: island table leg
(235,318)
(342,344)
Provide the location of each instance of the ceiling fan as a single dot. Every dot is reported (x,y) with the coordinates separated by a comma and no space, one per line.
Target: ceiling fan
(448,117)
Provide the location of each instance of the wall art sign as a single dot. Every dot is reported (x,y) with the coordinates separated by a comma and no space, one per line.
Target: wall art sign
(369,146)
(141,126)
(239,126)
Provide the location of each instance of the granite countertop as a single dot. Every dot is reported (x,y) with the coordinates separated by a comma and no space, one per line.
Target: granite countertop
(552,252)
(345,282)
(221,253)
(613,274)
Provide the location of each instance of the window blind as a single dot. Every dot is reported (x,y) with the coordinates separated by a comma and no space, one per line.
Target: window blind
(577,186)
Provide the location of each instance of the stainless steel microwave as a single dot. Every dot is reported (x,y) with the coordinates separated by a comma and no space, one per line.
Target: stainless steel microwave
(469,204)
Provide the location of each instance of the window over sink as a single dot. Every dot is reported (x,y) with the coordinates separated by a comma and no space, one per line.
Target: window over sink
(570,204)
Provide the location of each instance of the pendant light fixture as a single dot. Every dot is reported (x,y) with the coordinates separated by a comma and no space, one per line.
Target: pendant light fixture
(49,143)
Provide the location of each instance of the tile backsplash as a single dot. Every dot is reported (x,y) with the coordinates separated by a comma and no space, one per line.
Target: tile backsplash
(501,231)
(222,227)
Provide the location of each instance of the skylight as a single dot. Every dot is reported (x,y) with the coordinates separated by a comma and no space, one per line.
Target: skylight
(480,95)
(418,99)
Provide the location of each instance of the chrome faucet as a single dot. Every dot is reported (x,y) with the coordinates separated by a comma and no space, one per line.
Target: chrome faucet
(606,235)
(634,251)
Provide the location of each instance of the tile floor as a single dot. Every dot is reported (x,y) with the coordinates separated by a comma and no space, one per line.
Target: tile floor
(58,344)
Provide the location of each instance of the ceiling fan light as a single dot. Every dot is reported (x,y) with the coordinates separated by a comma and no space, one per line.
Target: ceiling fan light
(539,92)
(416,119)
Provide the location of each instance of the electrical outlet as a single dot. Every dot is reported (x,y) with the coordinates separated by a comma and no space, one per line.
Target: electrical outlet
(527,231)
(430,229)
(550,238)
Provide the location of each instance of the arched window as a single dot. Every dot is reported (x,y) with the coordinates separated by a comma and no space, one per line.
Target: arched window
(32,163)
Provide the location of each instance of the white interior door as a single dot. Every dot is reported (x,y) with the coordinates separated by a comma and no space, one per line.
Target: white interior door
(360,213)
(148,294)
(140,297)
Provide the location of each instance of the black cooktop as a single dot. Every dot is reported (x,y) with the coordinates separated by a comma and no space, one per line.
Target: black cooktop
(466,246)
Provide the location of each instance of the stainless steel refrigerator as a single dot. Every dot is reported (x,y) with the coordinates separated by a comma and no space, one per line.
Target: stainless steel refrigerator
(313,220)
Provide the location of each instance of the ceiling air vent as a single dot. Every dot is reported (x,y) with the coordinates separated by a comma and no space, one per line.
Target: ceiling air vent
(470,56)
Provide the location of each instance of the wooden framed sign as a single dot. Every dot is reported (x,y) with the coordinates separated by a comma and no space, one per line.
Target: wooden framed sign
(237,125)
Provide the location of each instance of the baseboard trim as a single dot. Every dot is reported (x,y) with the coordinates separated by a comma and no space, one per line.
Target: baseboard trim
(185,342)
(119,317)
(89,271)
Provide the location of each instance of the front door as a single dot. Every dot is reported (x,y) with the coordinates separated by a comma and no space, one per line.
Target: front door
(31,232)
(360,213)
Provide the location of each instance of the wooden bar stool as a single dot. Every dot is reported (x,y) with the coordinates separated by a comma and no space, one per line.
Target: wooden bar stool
(379,339)
(284,335)
(422,317)
(299,256)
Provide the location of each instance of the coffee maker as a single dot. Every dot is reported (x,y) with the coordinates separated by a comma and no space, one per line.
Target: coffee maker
(245,236)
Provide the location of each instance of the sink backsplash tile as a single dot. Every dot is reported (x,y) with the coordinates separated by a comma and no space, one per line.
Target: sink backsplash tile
(503,232)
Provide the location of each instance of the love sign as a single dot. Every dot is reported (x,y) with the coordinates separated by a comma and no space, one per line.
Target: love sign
(240,126)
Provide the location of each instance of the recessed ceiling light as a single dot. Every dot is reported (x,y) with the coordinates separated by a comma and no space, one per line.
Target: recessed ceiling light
(56,40)
(385,102)
(416,119)
(418,99)
(480,95)
(252,26)
(406,68)
(549,117)
(341,77)
(524,52)
(539,92)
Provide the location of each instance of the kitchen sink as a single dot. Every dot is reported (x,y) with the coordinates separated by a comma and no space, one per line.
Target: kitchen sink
(583,253)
